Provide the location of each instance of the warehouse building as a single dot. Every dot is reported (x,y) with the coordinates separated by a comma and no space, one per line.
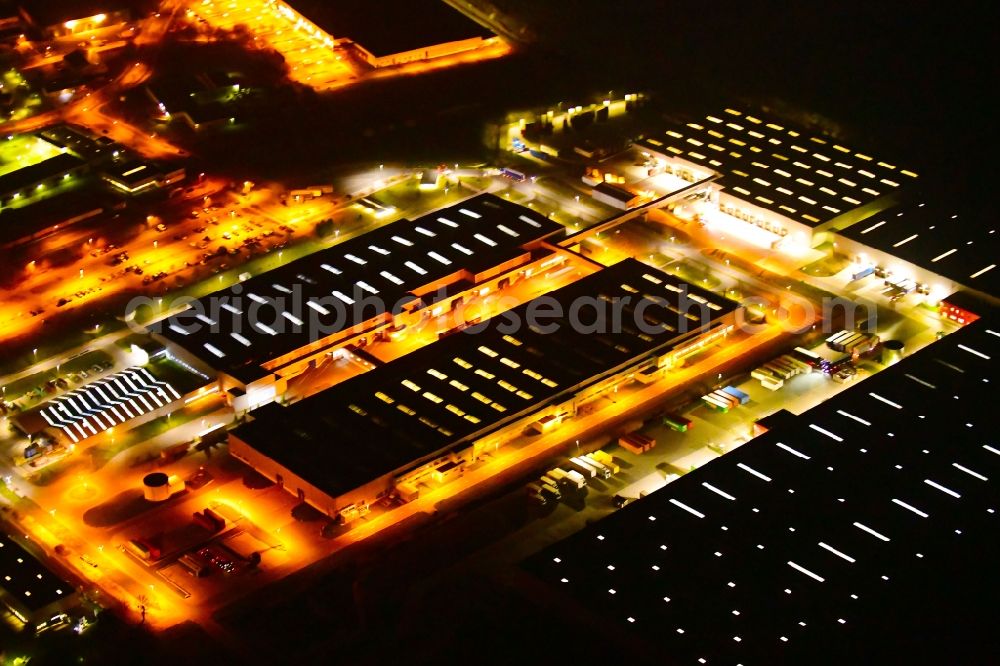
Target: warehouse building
(615,196)
(56,19)
(28,588)
(429,413)
(821,529)
(396,32)
(785,182)
(929,247)
(30,180)
(136,176)
(262,332)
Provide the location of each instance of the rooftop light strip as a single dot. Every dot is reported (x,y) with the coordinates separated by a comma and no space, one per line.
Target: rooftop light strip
(391,278)
(717,491)
(909,507)
(833,436)
(905,240)
(885,400)
(873,227)
(980,272)
(841,555)
(938,486)
(852,416)
(794,452)
(944,254)
(991,449)
(751,470)
(970,472)
(973,351)
(437,257)
(919,381)
(802,569)
(682,505)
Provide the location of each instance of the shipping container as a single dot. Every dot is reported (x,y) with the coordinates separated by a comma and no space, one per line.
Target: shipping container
(676,422)
(738,394)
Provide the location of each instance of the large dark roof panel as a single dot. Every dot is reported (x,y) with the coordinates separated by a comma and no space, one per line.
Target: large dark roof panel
(388,263)
(809,528)
(809,179)
(466,385)
(961,246)
(26,579)
(391,26)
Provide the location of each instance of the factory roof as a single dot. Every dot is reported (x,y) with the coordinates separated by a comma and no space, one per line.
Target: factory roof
(393,26)
(961,246)
(83,143)
(104,403)
(37,173)
(26,579)
(807,178)
(346,285)
(464,386)
(52,12)
(794,538)
(615,191)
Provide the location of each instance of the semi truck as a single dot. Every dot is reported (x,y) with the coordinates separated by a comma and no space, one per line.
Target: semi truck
(587,471)
(598,468)
(565,479)
(553,490)
(536,494)
(607,460)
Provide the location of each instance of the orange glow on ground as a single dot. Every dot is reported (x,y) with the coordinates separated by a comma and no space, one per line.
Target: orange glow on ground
(313,57)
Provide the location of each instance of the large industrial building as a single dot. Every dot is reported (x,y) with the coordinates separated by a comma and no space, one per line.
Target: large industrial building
(823,530)
(430,412)
(926,244)
(28,588)
(396,32)
(786,182)
(261,332)
(55,19)
(30,180)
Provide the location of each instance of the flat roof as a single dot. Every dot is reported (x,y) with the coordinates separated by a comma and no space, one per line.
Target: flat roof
(31,175)
(17,223)
(86,145)
(28,580)
(52,12)
(132,172)
(808,528)
(391,26)
(462,387)
(615,191)
(959,245)
(389,264)
(100,404)
(807,178)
